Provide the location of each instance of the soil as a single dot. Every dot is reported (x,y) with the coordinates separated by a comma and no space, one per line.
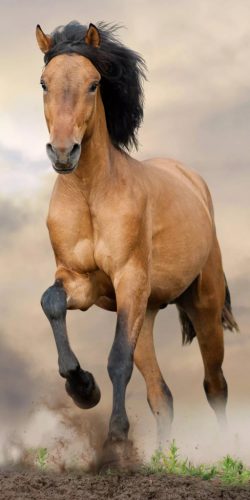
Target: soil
(33,485)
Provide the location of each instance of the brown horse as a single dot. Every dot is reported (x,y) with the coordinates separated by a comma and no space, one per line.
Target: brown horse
(128,236)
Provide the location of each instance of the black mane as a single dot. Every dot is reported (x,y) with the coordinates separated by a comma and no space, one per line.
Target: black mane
(122,71)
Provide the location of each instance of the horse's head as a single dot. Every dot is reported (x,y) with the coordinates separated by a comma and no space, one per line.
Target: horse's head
(70,83)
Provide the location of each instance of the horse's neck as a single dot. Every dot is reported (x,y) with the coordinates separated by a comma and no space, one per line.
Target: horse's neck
(98,157)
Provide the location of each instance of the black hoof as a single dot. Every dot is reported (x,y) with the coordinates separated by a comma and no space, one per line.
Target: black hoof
(118,428)
(118,455)
(82,388)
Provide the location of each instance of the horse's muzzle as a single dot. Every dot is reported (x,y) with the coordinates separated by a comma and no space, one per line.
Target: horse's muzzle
(64,160)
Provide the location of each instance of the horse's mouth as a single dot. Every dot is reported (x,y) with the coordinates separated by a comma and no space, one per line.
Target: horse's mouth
(63,170)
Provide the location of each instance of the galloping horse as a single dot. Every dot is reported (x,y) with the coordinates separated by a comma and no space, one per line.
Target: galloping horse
(128,236)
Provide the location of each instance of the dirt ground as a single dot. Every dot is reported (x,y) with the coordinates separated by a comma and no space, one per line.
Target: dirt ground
(24,485)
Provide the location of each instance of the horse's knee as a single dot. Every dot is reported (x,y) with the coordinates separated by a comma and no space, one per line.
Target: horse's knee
(54,301)
(54,304)
(80,290)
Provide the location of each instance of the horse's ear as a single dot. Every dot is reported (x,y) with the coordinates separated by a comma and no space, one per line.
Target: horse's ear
(44,41)
(92,36)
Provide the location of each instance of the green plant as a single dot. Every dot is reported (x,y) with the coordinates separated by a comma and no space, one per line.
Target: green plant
(233,471)
(229,470)
(42,458)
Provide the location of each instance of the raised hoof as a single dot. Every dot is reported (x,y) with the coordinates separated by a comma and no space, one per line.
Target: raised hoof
(118,455)
(82,388)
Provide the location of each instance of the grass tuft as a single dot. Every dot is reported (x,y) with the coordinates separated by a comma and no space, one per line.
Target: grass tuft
(233,471)
(42,458)
(228,470)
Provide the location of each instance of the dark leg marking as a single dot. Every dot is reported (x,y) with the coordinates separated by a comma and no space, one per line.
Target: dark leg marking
(169,398)
(120,366)
(54,305)
(80,384)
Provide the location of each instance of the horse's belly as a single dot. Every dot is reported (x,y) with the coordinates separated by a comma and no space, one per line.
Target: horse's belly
(168,283)
(177,261)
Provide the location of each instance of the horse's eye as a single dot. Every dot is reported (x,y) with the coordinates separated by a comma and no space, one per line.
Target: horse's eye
(44,86)
(93,86)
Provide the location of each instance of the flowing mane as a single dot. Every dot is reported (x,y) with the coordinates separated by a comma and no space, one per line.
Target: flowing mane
(122,72)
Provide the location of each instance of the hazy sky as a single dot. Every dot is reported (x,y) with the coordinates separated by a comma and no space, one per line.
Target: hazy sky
(197,110)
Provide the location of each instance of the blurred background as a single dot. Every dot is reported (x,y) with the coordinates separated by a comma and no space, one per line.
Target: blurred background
(197,110)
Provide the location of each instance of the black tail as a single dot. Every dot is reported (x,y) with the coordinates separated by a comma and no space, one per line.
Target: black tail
(227,319)
(188,331)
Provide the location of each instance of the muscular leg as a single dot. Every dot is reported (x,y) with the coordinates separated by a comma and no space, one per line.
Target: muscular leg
(210,337)
(203,302)
(131,297)
(80,384)
(159,396)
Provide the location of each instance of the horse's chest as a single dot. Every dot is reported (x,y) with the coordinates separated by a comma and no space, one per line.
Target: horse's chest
(72,240)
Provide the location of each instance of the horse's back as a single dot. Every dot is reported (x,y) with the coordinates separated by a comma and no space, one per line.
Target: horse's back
(187,178)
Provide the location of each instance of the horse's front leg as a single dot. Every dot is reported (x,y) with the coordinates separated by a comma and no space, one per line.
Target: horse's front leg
(80,384)
(131,296)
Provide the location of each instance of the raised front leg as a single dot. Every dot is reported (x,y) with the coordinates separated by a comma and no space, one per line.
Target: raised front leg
(131,297)
(80,384)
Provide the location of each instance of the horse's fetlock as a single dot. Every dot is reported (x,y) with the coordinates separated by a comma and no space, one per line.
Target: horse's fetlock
(68,368)
(119,427)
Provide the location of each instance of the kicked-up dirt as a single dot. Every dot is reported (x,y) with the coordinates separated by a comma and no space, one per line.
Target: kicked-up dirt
(34,485)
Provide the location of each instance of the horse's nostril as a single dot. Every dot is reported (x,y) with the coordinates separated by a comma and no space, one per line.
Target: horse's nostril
(75,150)
(51,151)
(49,147)
(65,156)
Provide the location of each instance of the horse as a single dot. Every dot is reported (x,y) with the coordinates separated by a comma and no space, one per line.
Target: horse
(128,236)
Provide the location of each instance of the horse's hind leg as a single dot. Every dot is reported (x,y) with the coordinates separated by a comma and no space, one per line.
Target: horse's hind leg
(203,303)
(80,384)
(209,332)
(158,394)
